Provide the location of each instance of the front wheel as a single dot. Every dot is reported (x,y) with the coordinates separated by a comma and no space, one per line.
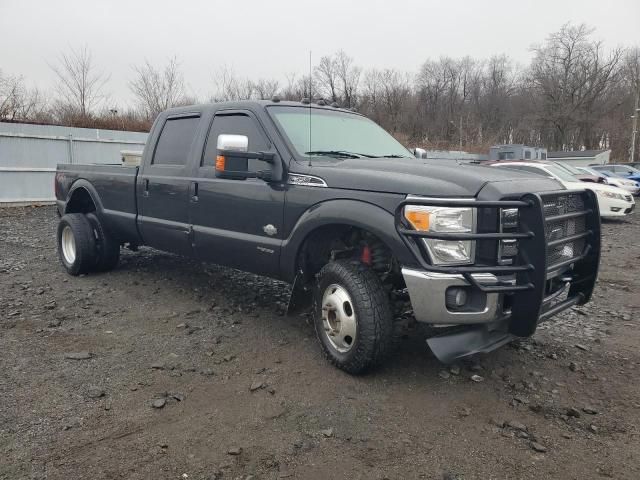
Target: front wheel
(352,317)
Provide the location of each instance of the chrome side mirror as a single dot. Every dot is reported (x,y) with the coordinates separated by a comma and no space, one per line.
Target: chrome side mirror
(236,143)
(420,153)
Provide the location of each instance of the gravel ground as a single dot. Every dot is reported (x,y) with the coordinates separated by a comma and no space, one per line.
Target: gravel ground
(166,368)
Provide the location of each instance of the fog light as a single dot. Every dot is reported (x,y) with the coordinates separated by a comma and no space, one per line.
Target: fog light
(456,297)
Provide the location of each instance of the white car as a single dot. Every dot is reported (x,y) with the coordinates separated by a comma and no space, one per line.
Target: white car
(630,186)
(612,201)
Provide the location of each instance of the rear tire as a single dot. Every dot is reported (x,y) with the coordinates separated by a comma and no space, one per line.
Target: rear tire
(352,316)
(107,247)
(76,243)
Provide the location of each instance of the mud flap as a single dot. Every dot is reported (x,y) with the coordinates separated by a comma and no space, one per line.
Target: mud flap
(450,347)
(300,298)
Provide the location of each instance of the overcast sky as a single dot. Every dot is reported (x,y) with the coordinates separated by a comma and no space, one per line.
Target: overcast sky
(273,38)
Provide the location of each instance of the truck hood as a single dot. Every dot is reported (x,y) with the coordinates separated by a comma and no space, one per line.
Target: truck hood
(423,177)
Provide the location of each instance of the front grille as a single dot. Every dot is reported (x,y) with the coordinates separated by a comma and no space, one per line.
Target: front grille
(560,224)
(559,204)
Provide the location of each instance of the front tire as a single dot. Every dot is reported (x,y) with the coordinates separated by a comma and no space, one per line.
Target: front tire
(76,244)
(352,316)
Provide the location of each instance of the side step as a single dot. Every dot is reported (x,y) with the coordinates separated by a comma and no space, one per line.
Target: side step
(453,346)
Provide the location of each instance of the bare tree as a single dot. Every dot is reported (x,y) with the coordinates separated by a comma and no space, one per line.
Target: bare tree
(573,77)
(326,76)
(349,77)
(17,102)
(158,89)
(80,85)
(264,89)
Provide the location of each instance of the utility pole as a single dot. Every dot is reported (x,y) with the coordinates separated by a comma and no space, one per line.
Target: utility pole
(634,128)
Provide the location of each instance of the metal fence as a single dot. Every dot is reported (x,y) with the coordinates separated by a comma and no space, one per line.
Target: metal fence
(29,155)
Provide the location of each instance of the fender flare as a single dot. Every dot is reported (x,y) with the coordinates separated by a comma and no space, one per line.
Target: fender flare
(86,185)
(356,213)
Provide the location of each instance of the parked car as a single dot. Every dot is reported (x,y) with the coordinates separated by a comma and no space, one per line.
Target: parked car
(622,170)
(613,201)
(630,186)
(367,234)
(580,175)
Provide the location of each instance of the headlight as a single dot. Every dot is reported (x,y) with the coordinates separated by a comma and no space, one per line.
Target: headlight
(611,195)
(444,220)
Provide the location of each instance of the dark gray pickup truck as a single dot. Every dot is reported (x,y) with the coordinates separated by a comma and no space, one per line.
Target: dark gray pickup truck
(368,234)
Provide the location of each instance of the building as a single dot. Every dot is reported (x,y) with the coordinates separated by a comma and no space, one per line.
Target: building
(29,154)
(582,158)
(517,152)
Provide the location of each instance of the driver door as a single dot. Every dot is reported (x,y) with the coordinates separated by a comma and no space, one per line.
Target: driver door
(237,222)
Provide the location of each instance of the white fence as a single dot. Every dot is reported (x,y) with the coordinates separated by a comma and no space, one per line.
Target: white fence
(29,155)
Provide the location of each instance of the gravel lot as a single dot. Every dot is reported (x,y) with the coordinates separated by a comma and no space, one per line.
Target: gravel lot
(166,368)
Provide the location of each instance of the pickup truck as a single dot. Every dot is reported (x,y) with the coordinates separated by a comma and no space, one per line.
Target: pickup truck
(368,235)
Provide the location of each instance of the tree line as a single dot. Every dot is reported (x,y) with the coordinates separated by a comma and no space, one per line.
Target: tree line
(574,94)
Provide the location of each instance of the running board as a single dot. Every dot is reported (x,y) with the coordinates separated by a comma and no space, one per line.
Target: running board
(453,346)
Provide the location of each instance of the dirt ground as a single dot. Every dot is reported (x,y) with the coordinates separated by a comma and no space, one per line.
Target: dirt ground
(244,392)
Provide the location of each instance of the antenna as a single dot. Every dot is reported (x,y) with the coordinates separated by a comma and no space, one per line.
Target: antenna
(310,100)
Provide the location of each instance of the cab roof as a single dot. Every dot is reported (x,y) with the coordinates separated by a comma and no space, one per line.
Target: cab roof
(253,105)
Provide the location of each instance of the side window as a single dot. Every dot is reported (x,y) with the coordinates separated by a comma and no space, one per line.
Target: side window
(543,155)
(506,156)
(527,154)
(236,124)
(175,141)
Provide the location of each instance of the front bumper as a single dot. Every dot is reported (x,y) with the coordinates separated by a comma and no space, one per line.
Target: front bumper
(427,291)
(558,239)
(613,207)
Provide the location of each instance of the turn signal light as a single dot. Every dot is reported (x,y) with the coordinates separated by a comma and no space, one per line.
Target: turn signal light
(419,219)
(220,162)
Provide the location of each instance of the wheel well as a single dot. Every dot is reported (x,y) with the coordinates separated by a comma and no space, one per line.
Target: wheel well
(80,202)
(334,241)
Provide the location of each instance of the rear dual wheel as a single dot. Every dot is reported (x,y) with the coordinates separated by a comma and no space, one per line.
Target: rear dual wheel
(84,244)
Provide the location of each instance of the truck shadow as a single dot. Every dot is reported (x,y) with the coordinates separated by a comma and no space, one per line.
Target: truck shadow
(261,300)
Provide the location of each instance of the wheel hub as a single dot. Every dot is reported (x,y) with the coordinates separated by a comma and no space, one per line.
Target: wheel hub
(68,243)
(339,318)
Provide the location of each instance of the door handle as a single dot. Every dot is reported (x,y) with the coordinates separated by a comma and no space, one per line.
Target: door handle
(194,191)
(145,192)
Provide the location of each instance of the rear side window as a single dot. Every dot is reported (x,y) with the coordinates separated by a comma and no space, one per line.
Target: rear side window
(506,156)
(175,141)
(527,154)
(236,124)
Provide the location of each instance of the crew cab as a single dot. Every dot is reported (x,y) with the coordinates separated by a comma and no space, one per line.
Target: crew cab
(370,236)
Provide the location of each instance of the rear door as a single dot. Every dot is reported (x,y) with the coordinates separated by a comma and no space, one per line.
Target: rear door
(163,186)
(238,223)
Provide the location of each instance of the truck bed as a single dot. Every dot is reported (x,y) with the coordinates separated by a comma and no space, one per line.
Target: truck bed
(115,186)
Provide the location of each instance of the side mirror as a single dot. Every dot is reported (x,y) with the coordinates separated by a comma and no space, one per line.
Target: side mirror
(233,158)
(420,153)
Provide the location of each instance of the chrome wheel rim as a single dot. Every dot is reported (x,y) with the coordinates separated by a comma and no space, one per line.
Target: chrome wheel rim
(68,243)
(339,318)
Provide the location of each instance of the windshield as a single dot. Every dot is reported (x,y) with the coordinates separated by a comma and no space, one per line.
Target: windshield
(591,171)
(560,173)
(569,168)
(336,134)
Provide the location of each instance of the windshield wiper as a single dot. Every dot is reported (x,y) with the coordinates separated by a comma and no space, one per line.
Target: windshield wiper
(392,155)
(339,154)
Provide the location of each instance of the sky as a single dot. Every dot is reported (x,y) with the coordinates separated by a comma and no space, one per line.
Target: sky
(272,39)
